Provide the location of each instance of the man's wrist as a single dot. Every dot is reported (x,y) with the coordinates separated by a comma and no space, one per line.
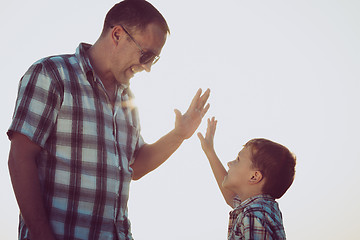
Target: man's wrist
(178,136)
(45,234)
(41,230)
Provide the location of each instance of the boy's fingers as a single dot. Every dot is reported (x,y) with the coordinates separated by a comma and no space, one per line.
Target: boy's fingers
(201,137)
(215,123)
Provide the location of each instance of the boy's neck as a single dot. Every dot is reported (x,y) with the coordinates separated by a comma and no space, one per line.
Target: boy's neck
(249,194)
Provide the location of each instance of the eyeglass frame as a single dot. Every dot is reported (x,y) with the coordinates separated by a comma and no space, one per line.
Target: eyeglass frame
(142,52)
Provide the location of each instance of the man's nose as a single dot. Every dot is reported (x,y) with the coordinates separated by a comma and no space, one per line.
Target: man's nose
(147,66)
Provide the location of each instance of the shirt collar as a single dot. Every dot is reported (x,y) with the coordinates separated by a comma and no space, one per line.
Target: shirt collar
(253,199)
(81,54)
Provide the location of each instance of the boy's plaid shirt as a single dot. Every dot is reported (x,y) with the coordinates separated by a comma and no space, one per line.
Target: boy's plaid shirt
(88,146)
(257,217)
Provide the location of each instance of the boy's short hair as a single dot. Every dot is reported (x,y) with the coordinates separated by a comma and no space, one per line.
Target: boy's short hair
(275,162)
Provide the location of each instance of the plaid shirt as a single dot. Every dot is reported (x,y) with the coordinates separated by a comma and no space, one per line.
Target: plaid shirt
(257,217)
(87,146)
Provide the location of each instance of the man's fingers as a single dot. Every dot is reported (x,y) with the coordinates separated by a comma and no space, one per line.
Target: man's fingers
(204,111)
(203,99)
(199,101)
(194,102)
(177,114)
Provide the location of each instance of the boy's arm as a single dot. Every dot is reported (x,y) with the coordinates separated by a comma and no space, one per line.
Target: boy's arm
(217,168)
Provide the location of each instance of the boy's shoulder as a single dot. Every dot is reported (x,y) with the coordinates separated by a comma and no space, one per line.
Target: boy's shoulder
(260,204)
(258,215)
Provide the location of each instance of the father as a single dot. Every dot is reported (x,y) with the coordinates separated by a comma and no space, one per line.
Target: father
(75,135)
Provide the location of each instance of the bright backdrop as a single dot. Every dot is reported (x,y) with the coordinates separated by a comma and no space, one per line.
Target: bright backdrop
(283,70)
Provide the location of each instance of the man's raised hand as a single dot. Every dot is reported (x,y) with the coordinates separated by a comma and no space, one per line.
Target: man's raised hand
(186,125)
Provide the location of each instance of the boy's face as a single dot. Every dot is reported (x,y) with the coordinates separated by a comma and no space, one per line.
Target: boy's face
(240,172)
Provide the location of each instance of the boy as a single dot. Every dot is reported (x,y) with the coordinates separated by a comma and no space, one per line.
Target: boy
(261,173)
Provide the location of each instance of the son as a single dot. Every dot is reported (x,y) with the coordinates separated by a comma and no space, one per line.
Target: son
(261,173)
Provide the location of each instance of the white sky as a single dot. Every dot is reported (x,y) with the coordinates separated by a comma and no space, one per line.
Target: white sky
(284,70)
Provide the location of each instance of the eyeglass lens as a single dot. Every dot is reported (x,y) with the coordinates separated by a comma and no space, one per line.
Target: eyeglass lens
(147,57)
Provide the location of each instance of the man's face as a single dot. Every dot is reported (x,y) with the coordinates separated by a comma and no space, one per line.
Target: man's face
(240,171)
(126,61)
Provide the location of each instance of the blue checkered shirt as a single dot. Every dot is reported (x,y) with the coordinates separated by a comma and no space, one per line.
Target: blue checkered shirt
(87,146)
(256,218)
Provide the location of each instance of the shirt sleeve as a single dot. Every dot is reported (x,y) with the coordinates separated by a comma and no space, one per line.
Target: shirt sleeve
(139,144)
(37,104)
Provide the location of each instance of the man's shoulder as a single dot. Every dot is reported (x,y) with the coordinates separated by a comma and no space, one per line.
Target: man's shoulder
(77,62)
(57,66)
(56,60)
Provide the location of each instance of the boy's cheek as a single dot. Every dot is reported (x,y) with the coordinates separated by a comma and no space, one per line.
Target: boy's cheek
(224,181)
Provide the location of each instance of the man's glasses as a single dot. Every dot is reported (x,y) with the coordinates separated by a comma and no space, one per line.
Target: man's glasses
(146,56)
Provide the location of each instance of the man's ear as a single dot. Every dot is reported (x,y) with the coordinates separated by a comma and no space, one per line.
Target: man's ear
(116,33)
(256,177)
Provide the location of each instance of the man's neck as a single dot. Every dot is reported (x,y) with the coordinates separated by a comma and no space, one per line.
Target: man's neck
(99,62)
(98,59)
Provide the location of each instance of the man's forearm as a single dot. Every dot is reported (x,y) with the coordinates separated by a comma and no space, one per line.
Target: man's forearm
(26,185)
(151,156)
(28,194)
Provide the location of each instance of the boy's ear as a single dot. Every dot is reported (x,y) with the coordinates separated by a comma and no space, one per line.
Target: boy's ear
(256,177)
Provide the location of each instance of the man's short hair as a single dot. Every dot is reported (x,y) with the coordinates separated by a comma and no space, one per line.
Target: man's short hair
(134,15)
(275,162)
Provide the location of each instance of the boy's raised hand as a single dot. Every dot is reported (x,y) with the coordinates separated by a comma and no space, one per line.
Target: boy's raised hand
(217,168)
(207,143)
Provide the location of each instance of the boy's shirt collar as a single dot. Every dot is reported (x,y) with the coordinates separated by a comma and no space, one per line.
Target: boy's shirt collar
(240,205)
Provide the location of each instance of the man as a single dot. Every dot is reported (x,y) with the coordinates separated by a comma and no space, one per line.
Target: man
(75,135)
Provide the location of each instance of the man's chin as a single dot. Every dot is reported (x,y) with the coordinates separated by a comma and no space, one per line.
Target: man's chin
(125,80)
(128,76)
